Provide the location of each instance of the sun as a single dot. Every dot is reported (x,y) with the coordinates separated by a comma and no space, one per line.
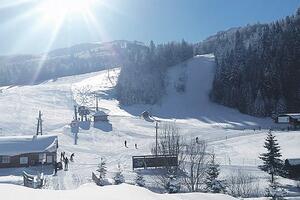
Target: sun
(58,10)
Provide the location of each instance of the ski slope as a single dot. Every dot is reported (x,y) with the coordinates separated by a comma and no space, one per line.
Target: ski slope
(237,139)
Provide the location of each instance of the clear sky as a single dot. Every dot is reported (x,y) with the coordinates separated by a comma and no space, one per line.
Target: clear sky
(34,26)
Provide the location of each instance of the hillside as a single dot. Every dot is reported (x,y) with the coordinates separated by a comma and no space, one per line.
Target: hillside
(78,59)
(257,67)
(229,133)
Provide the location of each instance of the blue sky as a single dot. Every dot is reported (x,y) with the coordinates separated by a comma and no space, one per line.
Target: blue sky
(141,20)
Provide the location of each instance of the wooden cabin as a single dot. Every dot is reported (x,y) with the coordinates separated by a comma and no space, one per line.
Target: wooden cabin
(25,151)
(289,118)
(293,167)
(100,116)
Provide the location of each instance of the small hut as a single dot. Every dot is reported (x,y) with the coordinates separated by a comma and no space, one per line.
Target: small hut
(293,167)
(100,116)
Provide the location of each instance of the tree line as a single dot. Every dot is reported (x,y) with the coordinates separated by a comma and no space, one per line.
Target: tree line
(258,67)
(142,77)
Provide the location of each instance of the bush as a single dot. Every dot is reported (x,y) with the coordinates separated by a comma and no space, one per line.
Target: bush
(245,185)
(119,178)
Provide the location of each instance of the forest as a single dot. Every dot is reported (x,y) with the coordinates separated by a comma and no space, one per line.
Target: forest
(258,67)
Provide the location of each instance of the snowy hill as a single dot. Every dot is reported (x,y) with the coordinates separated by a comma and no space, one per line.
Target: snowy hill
(230,134)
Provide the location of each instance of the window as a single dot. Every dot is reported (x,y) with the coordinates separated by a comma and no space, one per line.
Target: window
(4,159)
(42,157)
(23,160)
(49,159)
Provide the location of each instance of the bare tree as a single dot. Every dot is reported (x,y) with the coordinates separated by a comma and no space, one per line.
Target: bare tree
(169,143)
(195,165)
(242,184)
(83,94)
(169,140)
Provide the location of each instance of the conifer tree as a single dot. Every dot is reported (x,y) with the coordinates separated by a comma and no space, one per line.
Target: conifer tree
(119,178)
(102,171)
(272,164)
(212,183)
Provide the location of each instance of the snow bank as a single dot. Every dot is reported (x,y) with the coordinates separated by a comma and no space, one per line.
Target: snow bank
(93,192)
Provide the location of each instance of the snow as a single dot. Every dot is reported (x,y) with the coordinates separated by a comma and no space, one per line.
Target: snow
(237,139)
(93,192)
(294,161)
(16,145)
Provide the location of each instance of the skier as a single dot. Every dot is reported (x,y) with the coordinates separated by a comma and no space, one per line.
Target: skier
(125,143)
(72,157)
(197,140)
(66,164)
(55,168)
(135,145)
(61,156)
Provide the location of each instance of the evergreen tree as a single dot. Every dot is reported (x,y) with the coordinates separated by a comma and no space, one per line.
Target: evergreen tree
(272,164)
(173,185)
(139,180)
(275,191)
(119,178)
(102,171)
(212,183)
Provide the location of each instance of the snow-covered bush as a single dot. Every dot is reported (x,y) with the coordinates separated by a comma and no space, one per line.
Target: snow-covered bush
(242,184)
(119,177)
(139,180)
(275,191)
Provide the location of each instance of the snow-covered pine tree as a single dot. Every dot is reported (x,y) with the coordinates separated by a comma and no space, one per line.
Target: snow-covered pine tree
(119,178)
(102,171)
(272,164)
(139,180)
(275,191)
(212,183)
(173,184)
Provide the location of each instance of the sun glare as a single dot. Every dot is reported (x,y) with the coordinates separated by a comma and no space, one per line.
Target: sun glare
(57,10)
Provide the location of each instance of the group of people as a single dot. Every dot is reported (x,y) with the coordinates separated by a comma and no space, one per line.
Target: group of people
(65,160)
(125,144)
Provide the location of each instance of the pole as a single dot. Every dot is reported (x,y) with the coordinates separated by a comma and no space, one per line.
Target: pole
(97,109)
(156,144)
(75,112)
(39,128)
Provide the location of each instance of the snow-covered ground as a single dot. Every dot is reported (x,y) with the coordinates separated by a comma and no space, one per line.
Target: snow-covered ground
(93,192)
(237,139)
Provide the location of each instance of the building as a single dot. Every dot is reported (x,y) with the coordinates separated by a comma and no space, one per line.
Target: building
(289,118)
(25,151)
(100,116)
(293,167)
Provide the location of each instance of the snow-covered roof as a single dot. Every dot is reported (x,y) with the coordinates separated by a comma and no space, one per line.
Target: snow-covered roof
(15,145)
(294,161)
(293,115)
(100,113)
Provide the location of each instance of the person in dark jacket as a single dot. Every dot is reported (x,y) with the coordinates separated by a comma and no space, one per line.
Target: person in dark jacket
(72,157)
(55,168)
(66,163)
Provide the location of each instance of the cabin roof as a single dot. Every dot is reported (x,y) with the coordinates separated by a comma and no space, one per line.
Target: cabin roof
(294,161)
(292,115)
(100,113)
(16,145)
